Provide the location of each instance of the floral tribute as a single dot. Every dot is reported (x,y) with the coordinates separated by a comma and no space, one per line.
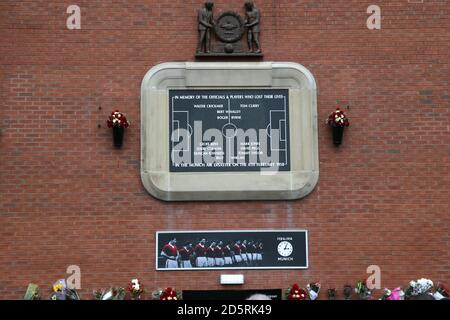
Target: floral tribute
(136,289)
(111,294)
(32,292)
(117,119)
(313,289)
(332,294)
(338,119)
(442,291)
(419,287)
(348,290)
(363,291)
(394,294)
(167,294)
(296,293)
(62,292)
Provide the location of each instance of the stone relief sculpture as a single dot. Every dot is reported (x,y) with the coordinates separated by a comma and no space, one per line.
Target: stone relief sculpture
(228,31)
(205,24)
(252,23)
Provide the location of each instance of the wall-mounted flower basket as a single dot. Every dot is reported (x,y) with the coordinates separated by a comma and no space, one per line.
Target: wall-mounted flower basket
(338,133)
(118,122)
(337,120)
(118,136)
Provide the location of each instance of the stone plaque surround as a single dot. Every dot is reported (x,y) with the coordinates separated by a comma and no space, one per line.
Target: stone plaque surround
(192,186)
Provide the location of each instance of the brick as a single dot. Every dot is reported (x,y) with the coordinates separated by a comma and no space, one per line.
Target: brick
(68,197)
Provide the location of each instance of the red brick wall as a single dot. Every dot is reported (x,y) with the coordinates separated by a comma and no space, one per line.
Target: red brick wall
(67,196)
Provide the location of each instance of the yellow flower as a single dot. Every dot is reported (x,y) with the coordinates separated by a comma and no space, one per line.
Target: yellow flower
(57,287)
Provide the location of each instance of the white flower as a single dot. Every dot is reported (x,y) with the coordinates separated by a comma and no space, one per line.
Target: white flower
(135,283)
(421,286)
(425,282)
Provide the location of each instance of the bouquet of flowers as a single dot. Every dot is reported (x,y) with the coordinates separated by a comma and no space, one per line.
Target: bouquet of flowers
(395,294)
(331,294)
(136,289)
(296,293)
(419,287)
(62,292)
(363,291)
(167,294)
(441,292)
(117,119)
(313,289)
(348,290)
(111,294)
(337,119)
(32,292)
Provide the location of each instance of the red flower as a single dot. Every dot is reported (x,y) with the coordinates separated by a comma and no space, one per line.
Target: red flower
(168,294)
(296,293)
(338,119)
(117,119)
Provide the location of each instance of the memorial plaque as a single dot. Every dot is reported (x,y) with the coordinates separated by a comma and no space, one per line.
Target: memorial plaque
(229,130)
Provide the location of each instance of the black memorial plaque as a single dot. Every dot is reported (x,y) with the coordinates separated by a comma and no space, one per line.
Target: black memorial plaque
(229,130)
(231,249)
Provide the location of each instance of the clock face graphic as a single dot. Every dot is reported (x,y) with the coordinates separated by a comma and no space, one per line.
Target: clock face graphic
(285,248)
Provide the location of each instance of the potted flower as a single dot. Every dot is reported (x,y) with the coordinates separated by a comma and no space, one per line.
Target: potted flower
(118,122)
(337,120)
(136,289)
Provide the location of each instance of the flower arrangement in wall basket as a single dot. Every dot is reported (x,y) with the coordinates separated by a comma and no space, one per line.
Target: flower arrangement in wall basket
(337,120)
(118,122)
